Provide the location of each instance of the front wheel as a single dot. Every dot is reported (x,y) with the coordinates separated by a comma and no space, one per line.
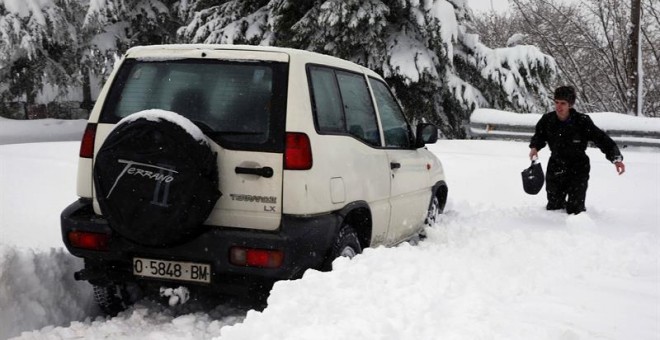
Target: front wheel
(346,244)
(433,214)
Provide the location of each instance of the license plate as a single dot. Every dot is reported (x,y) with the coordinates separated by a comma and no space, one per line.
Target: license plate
(172,270)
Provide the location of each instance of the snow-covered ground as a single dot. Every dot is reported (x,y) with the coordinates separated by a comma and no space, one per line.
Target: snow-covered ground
(43,130)
(497,265)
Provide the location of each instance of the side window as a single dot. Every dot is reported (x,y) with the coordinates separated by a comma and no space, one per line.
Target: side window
(395,127)
(327,101)
(342,104)
(360,114)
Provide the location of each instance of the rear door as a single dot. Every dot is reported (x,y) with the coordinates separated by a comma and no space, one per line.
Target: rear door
(352,166)
(238,99)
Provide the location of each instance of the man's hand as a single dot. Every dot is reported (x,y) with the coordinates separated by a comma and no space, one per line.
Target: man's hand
(620,167)
(533,154)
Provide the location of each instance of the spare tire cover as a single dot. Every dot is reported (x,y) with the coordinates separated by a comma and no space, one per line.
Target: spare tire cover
(155,183)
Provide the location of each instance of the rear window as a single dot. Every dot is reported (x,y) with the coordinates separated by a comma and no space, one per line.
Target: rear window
(240,105)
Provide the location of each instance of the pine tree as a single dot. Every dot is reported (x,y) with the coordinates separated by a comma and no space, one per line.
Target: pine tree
(34,50)
(231,22)
(110,27)
(69,45)
(439,71)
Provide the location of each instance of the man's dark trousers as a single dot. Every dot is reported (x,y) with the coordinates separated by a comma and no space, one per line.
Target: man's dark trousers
(567,178)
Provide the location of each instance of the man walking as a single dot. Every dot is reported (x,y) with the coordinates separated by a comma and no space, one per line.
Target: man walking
(567,133)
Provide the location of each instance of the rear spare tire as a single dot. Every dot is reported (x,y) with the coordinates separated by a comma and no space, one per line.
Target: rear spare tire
(156,178)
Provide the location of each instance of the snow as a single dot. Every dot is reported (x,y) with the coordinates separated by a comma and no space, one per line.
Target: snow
(409,57)
(52,93)
(173,117)
(604,120)
(483,6)
(444,12)
(496,266)
(20,131)
(26,7)
(516,39)
(106,41)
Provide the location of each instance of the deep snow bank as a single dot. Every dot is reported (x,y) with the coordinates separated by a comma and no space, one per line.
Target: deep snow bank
(37,289)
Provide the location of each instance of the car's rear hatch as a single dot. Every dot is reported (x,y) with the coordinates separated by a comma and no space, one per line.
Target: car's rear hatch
(237,98)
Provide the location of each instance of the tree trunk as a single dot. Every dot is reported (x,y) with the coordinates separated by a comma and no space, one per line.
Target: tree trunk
(633,67)
(87,103)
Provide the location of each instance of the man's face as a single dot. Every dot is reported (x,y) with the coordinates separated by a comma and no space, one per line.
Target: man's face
(562,108)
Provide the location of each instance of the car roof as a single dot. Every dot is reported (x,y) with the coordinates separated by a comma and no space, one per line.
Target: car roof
(160,51)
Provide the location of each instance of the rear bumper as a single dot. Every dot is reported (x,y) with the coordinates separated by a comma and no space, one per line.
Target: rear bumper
(304,241)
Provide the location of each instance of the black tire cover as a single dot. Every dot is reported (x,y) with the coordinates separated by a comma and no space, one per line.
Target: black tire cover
(155,183)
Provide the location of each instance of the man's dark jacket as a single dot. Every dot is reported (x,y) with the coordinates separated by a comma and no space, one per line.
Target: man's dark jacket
(568,139)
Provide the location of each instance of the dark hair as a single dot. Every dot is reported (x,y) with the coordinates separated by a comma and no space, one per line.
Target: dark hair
(566,93)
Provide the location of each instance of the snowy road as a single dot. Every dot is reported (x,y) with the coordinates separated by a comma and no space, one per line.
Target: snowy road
(497,266)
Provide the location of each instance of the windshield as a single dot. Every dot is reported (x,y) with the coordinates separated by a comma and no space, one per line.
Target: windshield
(239,105)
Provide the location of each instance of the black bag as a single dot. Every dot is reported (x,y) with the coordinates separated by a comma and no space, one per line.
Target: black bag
(533,178)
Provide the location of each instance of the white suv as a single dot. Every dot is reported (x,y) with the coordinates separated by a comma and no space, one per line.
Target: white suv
(230,167)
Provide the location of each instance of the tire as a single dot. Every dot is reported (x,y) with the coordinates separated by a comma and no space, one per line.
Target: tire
(433,214)
(112,299)
(346,244)
(155,183)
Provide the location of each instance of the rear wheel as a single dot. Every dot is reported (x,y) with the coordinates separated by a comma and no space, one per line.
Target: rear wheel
(346,244)
(433,214)
(113,298)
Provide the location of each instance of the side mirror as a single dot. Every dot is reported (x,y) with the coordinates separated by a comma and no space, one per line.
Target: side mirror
(426,134)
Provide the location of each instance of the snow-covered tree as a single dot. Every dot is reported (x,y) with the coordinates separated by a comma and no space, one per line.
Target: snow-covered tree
(589,40)
(439,71)
(422,47)
(34,50)
(229,22)
(110,27)
(71,46)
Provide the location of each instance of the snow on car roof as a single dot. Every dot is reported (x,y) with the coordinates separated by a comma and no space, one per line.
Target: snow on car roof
(174,51)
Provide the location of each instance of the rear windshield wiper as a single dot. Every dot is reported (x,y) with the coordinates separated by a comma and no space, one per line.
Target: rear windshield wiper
(209,131)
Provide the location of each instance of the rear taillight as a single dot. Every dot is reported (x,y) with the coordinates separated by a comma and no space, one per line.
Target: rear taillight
(87,240)
(87,144)
(252,257)
(298,152)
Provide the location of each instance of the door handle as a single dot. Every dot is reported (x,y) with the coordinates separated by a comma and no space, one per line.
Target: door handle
(263,172)
(394,165)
